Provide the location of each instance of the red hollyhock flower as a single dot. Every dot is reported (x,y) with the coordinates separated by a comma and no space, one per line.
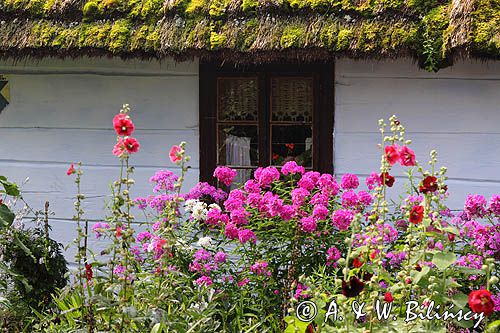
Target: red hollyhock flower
(429,184)
(416,214)
(357,263)
(480,301)
(123,125)
(131,145)
(352,288)
(451,237)
(388,297)
(392,154)
(406,156)
(71,170)
(175,154)
(118,231)
(89,274)
(387,179)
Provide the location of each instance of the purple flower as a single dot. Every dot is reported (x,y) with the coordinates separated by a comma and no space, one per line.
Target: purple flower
(260,268)
(333,254)
(299,195)
(231,231)
(342,219)
(225,175)
(202,255)
(220,257)
(265,176)
(496,302)
(309,180)
(328,184)
(100,227)
(143,236)
(165,180)
(475,206)
(291,167)
(349,199)
(320,212)
(365,198)
(308,224)
(119,270)
(373,181)
(204,189)
(388,233)
(204,281)
(349,181)
(245,235)
(251,186)
(494,205)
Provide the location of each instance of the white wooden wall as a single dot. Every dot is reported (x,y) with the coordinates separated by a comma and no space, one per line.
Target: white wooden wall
(455,111)
(61,112)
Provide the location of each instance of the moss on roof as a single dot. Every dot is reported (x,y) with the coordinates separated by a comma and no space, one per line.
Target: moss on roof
(433,31)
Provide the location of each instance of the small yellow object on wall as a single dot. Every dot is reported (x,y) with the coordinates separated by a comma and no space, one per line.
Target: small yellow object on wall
(4,93)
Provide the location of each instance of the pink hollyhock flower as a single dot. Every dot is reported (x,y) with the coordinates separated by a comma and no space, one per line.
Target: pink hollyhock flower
(123,125)
(175,154)
(308,224)
(349,181)
(71,169)
(406,156)
(392,154)
(373,181)
(131,145)
(342,219)
(291,167)
(119,148)
(246,235)
(225,175)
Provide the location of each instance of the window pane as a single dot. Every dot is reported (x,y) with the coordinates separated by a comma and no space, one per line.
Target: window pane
(237,99)
(291,142)
(238,145)
(292,99)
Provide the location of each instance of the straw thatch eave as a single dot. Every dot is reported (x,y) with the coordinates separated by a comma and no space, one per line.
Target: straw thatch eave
(431,31)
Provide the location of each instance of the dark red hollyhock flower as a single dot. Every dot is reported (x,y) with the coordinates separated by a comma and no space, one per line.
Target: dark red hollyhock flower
(418,268)
(123,125)
(357,263)
(310,328)
(131,145)
(480,301)
(367,276)
(89,274)
(429,184)
(388,297)
(353,288)
(417,214)
(387,179)
(451,237)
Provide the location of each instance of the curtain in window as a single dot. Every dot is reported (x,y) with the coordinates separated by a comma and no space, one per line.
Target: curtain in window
(238,154)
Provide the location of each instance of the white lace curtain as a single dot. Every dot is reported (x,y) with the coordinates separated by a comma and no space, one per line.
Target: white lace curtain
(238,154)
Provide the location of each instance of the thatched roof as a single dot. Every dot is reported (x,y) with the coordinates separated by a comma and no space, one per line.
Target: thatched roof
(432,31)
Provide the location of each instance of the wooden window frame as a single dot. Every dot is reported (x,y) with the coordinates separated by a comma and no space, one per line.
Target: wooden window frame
(323,117)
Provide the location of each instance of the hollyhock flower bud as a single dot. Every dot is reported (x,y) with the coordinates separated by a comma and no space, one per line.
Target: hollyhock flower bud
(71,169)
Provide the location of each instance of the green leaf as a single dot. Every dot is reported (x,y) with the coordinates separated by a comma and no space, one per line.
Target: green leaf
(419,275)
(444,260)
(452,230)
(6,216)
(295,325)
(493,327)
(10,188)
(460,300)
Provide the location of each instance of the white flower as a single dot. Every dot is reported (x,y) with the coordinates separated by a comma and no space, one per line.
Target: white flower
(214,205)
(200,211)
(189,204)
(204,241)
(150,247)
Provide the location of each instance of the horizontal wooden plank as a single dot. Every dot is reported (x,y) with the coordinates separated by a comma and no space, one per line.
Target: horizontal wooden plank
(99,65)
(467,156)
(90,146)
(407,67)
(443,106)
(50,182)
(91,101)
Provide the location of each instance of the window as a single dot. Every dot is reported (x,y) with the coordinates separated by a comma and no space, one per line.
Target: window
(265,115)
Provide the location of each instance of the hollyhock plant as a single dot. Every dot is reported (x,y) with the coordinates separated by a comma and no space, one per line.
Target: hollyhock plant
(406,156)
(123,124)
(480,301)
(392,154)
(416,214)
